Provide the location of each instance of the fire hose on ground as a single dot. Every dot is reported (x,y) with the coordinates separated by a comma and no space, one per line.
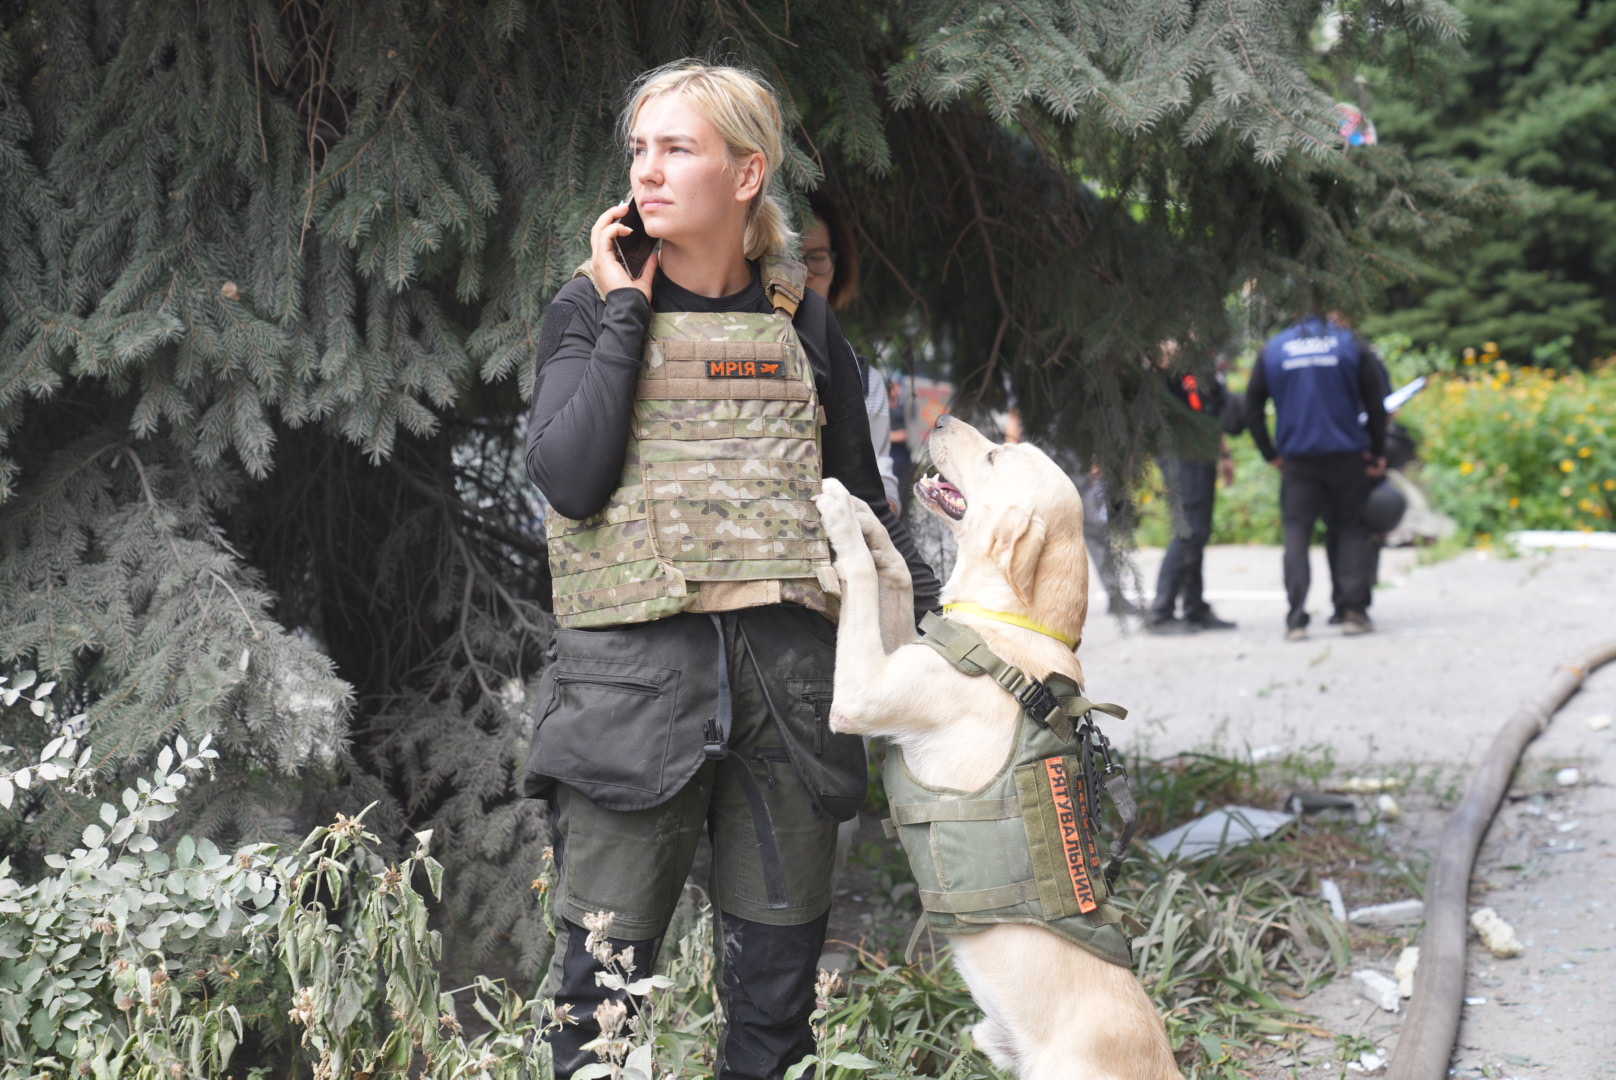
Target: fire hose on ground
(1432,1026)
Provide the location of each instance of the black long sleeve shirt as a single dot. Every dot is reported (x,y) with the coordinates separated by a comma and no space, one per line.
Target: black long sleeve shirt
(583,399)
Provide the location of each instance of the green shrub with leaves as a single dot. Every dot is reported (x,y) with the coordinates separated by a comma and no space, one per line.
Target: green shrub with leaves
(1510,447)
(135,959)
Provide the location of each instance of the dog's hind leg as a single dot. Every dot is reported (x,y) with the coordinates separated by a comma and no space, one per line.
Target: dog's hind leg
(992,1039)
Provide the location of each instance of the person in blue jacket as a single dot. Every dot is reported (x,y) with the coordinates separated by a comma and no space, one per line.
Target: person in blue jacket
(1322,379)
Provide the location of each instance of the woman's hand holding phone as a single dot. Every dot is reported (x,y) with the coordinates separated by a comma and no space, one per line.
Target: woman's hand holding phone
(608,269)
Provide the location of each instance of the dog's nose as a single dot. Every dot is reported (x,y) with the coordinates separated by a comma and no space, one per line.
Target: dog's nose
(944,420)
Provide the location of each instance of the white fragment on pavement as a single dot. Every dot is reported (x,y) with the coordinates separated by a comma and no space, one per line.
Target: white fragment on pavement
(1407,963)
(1377,989)
(1599,722)
(1496,934)
(1475,1001)
(1568,777)
(1218,830)
(1389,810)
(1371,1061)
(1401,913)
(1330,893)
(1370,785)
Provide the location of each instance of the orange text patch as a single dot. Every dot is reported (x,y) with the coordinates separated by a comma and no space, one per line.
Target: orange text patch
(745,369)
(1073,843)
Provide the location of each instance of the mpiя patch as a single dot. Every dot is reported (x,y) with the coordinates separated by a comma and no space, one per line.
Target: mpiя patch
(746,369)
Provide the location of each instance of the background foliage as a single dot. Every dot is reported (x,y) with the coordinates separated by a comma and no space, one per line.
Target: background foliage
(1534,99)
(271,275)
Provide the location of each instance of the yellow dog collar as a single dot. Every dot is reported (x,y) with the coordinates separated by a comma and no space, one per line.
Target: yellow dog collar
(1014,620)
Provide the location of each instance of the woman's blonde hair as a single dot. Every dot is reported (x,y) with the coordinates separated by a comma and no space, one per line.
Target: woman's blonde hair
(746,114)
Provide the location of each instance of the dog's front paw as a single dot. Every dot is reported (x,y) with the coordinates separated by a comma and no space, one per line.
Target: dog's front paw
(840,519)
(841,723)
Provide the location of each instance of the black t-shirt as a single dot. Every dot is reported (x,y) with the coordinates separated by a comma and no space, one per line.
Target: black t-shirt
(588,367)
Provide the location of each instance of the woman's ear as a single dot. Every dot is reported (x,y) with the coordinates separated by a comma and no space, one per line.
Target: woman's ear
(749,176)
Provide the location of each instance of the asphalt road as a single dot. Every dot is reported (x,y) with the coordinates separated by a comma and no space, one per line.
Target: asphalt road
(1459,646)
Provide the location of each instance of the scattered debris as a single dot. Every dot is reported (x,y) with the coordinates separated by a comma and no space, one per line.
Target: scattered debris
(1475,1001)
(1400,913)
(1320,802)
(1600,722)
(1377,989)
(1568,777)
(1368,1062)
(1407,963)
(1225,827)
(1496,934)
(1330,893)
(1389,810)
(1371,785)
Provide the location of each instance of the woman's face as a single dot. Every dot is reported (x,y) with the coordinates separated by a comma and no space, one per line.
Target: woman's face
(687,189)
(816,253)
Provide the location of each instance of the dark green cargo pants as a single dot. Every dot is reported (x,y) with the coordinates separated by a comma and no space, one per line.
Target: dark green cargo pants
(635,864)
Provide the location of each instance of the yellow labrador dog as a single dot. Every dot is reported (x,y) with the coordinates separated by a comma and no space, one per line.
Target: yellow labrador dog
(1052,1008)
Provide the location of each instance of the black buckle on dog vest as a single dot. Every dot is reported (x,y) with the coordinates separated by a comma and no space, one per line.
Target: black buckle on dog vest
(1066,713)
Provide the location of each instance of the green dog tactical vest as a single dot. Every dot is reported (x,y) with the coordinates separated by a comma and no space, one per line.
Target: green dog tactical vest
(1019,849)
(714,510)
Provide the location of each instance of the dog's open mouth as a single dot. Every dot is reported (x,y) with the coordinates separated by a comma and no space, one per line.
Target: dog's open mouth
(941,494)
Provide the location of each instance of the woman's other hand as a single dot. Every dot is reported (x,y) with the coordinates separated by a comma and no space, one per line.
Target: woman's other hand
(609,272)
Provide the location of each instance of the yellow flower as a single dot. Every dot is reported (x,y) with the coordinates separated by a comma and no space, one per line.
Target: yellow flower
(1571,440)
(1586,451)
(1567,465)
(1565,491)
(1610,484)
(1585,505)
(1466,467)
(1492,347)
(1469,355)
(1514,503)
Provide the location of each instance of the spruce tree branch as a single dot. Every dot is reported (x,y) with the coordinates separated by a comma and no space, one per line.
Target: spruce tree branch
(766,29)
(988,253)
(168,537)
(871,245)
(258,95)
(478,517)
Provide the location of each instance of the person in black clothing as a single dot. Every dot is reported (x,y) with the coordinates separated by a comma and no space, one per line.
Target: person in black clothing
(1332,541)
(656,728)
(1322,378)
(1192,484)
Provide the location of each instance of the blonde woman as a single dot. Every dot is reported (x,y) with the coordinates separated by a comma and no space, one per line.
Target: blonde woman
(682,420)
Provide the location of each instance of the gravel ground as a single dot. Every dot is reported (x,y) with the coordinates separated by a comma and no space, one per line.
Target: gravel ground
(1459,646)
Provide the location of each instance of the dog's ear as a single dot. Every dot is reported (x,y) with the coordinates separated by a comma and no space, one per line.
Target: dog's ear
(1018,540)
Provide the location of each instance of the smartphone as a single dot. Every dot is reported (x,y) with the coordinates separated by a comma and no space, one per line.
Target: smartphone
(636,247)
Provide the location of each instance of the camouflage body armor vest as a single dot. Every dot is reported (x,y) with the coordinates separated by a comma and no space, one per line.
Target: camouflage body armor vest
(1021,848)
(714,510)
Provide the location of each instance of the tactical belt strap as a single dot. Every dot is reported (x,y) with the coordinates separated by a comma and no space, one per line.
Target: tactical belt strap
(957,810)
(961,903)
(1054,704)
(1051,704)
(717,748)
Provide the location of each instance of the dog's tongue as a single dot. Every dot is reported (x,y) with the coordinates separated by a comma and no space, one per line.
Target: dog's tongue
(943,495)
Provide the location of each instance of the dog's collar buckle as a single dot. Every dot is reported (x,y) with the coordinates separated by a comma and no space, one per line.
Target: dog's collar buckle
(1040,703)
